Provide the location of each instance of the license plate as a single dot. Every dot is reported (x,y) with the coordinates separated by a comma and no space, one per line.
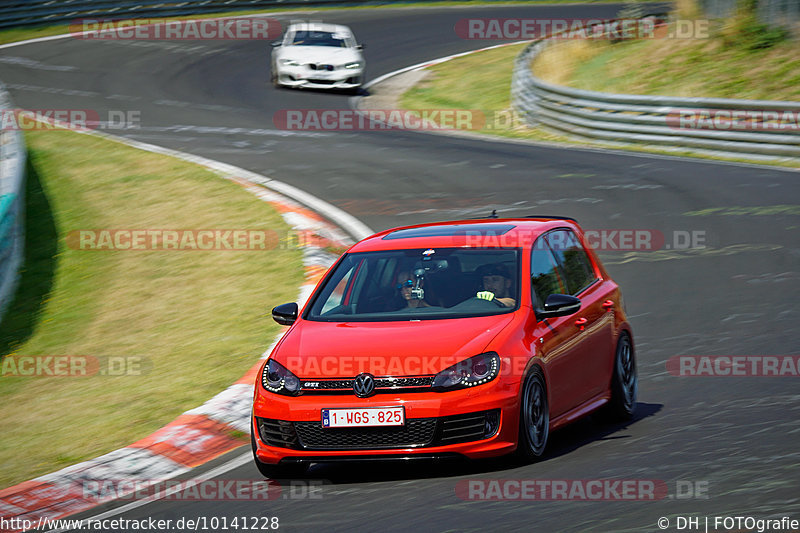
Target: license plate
(373,416)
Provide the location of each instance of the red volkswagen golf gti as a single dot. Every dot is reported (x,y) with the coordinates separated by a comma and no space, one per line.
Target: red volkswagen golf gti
(473,338)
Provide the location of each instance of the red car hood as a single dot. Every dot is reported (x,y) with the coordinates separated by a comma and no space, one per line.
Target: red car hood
(345,349)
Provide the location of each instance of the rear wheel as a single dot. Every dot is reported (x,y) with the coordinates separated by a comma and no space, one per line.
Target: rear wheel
(624,383)
(276,471)
(534,418)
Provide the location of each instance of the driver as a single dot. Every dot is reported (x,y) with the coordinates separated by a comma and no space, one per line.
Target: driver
(405,283)
(496,283)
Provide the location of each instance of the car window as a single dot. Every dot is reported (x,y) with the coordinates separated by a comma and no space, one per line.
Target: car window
(337,295)
(419,284)
(319,38)
(545,277)
(572,260)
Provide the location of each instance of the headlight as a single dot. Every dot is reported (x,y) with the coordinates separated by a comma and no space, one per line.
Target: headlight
(276,378)
(468,373)
(289,63)
(353,65)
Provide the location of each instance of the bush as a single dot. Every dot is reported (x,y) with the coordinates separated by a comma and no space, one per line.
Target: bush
(746,32)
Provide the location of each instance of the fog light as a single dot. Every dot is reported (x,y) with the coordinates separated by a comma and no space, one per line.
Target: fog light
(492,423)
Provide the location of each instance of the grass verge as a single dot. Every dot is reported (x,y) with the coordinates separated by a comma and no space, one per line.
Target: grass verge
(677,67)
(196,318)
(487,89)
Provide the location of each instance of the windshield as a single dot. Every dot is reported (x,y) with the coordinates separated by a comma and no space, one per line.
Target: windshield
(419,284)
(319,38)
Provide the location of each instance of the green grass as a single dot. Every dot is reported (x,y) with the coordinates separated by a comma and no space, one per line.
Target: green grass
(196,318)
(714,67)
(487,89)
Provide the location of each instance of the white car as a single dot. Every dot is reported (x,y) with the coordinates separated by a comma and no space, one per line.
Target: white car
(318,56)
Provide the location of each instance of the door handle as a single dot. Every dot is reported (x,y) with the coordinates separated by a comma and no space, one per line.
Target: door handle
(608,304)
(581,323)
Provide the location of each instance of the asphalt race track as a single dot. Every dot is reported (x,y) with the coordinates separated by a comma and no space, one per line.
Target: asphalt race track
(737,439)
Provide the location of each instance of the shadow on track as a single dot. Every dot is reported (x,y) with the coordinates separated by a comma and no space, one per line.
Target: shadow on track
(311,90)
(561,443)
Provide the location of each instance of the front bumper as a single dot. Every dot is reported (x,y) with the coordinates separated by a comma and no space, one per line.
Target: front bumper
(437,424)
(318,79)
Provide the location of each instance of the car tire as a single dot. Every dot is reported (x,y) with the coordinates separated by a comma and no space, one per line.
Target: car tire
(276,471)
(624,382)
(534,418)
(273,78)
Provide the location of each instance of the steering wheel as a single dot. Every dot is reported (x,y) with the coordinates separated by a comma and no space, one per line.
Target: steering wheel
(493,301)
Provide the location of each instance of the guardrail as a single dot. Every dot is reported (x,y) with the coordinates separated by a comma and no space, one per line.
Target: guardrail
(654,120)
(12,205)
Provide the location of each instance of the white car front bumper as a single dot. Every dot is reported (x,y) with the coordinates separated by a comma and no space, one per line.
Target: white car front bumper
(303,76)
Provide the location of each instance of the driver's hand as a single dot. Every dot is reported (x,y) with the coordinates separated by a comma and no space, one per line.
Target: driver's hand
(508,302)
(485,295)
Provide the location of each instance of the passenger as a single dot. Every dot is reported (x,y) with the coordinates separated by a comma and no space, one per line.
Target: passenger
(496,283)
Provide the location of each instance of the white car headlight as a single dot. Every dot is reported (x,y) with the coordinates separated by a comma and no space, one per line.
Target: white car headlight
(289,63)
(353,65)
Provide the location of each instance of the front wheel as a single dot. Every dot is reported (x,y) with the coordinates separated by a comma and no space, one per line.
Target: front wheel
(534,418)
(273,78)
(625,382)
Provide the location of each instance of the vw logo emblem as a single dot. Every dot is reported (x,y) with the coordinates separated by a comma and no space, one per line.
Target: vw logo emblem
(364,385)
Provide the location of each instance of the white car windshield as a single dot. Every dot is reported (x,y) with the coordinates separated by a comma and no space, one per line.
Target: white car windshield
(419,284)
(319,38)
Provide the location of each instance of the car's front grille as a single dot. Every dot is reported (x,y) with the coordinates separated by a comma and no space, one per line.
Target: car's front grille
(322,82)
(416,433)
(463,428)
(278,433)
(382,385)
(391,383)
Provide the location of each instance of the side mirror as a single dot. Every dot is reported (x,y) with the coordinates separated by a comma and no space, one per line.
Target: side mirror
(285,314)
(361,46)
(559,305)
(276,44)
